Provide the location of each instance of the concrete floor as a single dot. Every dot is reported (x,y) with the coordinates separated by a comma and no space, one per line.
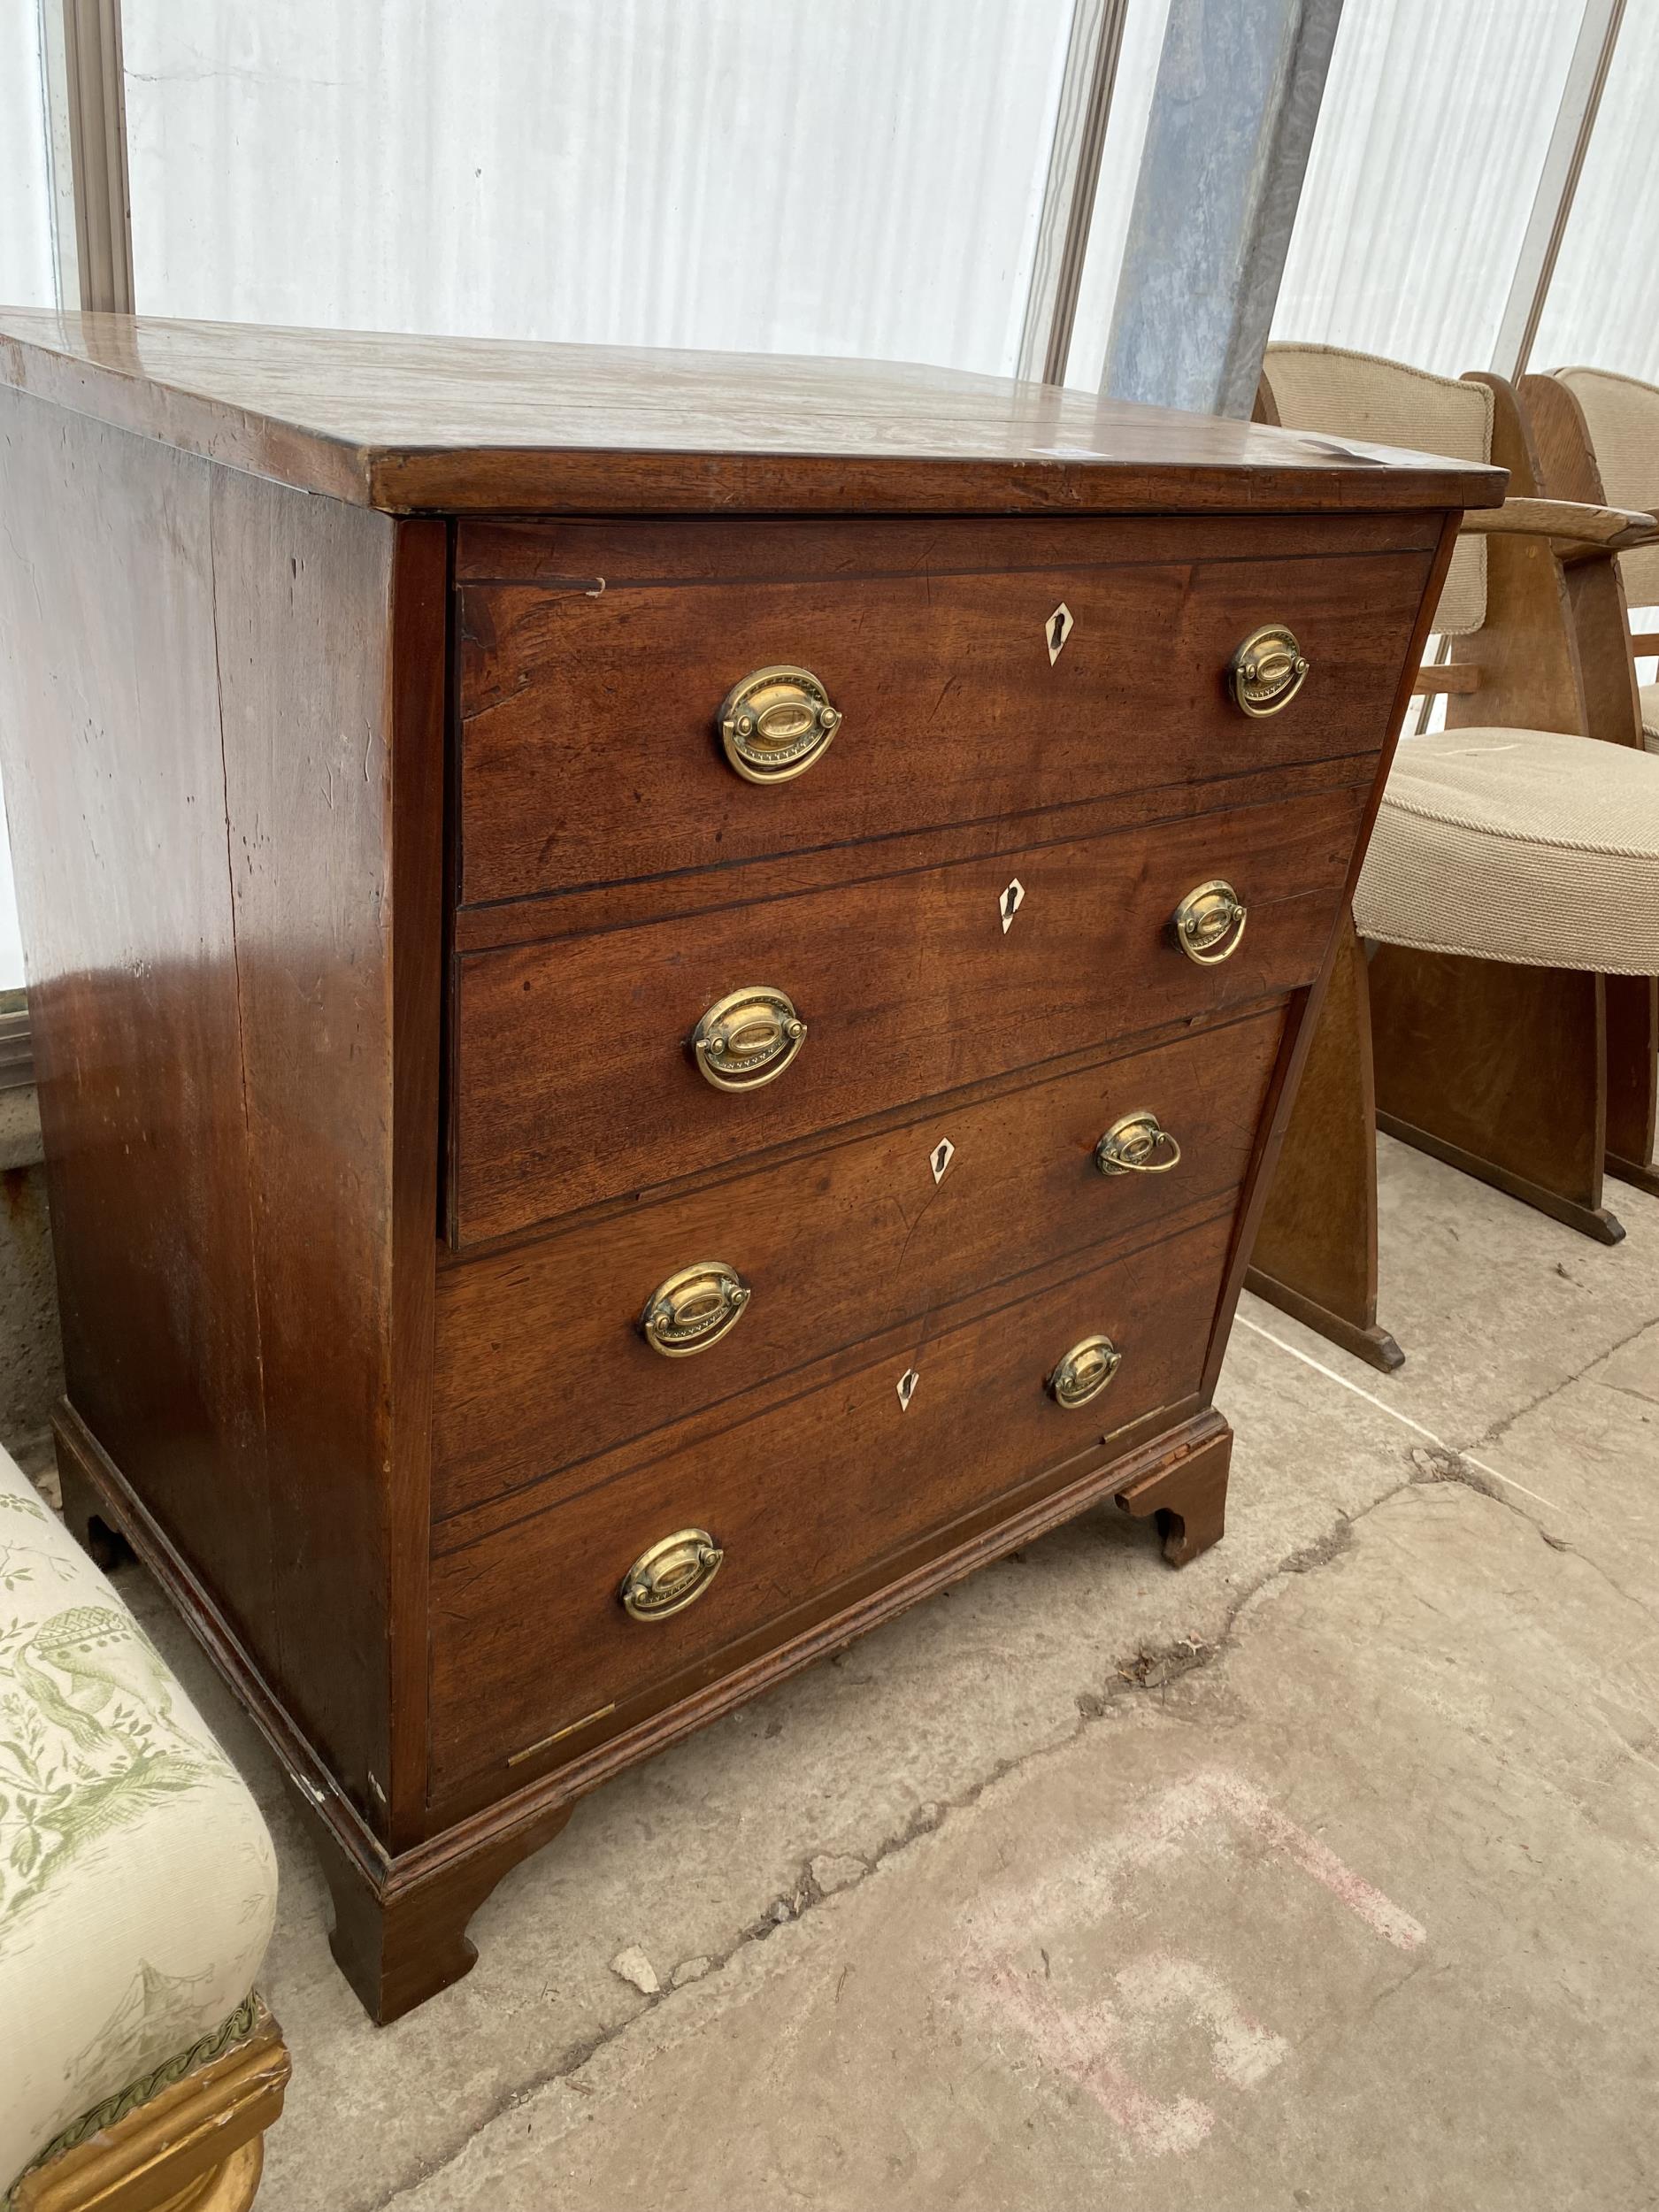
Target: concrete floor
(1324,1873)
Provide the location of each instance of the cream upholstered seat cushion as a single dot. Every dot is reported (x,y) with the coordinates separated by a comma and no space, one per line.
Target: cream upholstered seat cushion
(137,1881)
(1517,845)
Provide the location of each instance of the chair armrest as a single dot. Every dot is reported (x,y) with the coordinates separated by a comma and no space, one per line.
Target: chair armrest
(1594,529)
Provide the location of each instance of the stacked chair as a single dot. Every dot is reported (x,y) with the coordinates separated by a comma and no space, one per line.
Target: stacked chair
(1598,440)
(1600,435)
(1479,1007)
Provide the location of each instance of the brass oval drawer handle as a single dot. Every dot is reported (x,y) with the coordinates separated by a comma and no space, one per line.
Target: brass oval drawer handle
(747,1039)
(1266,672)
(776,724)
(1210,924)
(1137,1144)
(694,1308)
(1085,1371)
(671,1574)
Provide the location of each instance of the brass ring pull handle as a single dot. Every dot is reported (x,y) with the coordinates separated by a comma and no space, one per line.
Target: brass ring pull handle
(1266,672)
(1085,1371)
(1210,924)
(776,723)
(1137,1144)
(671,1574)
(747,1039)
(694,1308)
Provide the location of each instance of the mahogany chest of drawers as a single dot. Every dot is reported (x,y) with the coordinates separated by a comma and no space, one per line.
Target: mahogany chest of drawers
(663,986)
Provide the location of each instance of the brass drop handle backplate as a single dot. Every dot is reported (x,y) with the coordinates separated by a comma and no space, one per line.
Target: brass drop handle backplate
(671,1574)
(747,1039)
(1085,1371)
(1210,924)
(1266,672)
(694,1308)
(776,724)
(1137,1144)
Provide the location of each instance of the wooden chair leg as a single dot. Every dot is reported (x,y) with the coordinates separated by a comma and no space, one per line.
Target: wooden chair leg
(1500,1070)
(1316,1250)
(1632,1079)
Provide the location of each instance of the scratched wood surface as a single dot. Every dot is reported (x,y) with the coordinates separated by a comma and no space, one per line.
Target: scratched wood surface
(463,425)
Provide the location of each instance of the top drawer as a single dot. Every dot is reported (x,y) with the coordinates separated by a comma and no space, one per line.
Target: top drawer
(596,657)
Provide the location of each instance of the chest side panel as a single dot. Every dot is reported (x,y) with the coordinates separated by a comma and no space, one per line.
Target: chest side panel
(199,704)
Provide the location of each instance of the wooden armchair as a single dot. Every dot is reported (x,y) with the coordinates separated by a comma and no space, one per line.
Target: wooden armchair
(1496,895)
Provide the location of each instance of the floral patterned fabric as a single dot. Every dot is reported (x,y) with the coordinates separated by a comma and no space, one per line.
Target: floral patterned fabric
(137,1882)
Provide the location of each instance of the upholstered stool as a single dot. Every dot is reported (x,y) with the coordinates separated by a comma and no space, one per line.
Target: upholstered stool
(137,1890)
(1518,845)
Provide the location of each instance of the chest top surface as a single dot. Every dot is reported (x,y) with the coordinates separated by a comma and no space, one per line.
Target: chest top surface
(412,424)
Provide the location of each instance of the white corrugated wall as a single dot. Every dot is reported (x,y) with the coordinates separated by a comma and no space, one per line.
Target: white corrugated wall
(847,177)
(1436,121)
(1602,308)
(26,278)
(826,176)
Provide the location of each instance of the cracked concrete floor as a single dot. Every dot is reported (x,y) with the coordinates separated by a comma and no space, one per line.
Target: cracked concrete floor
(1322,1873)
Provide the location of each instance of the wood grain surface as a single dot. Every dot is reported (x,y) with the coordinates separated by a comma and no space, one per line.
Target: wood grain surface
(197,749)
(587,742)
(692,893)
(573,1081)
(318,980)
(411,423)
(539,1361)
(1521,1101)
(1315,1254)
(801,1496)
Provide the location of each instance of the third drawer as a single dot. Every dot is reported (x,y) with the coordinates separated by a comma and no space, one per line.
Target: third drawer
(541,1360)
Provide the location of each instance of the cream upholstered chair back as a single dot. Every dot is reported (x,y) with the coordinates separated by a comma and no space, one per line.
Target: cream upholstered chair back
(1621,417)
(1385,402)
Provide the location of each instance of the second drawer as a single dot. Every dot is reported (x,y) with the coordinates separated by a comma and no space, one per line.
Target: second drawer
(575,1080)
(540,1359)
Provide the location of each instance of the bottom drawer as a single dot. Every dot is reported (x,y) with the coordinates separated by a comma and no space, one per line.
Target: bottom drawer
(529,1634)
